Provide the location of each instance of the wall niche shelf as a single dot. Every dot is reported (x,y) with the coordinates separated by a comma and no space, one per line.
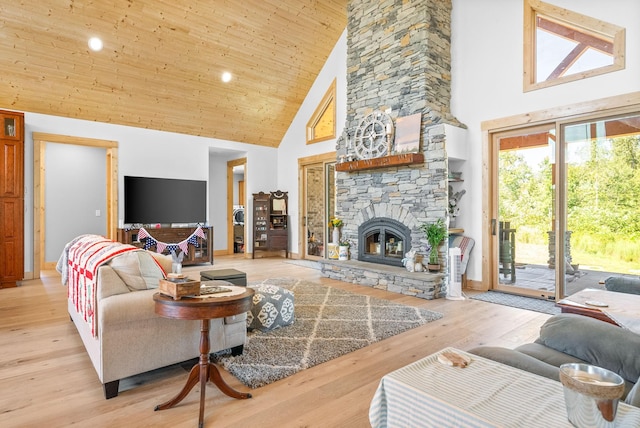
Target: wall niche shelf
(382,162)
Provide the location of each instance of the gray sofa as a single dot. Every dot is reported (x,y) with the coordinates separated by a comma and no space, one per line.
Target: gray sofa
(131,338)
(570,338)
(623,284)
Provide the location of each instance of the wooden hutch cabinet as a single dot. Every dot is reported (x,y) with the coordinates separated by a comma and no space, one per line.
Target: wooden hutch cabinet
(200,252)
(11,198)
(270,222)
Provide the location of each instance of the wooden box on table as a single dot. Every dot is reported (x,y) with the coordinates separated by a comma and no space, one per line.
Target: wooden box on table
(179,287)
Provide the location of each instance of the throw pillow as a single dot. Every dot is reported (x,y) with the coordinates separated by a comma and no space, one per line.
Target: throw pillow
(273,307)
(137,269)
(164,260)
(150,269)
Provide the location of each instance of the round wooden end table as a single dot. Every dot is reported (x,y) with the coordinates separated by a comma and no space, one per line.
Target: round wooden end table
(203,309)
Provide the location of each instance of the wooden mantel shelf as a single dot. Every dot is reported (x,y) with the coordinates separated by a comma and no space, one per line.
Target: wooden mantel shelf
(383,162)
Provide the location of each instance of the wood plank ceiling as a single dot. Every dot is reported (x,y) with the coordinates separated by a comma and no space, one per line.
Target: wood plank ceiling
(162,61)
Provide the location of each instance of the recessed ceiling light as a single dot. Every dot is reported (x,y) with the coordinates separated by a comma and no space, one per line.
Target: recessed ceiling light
(95,44)
(226,77)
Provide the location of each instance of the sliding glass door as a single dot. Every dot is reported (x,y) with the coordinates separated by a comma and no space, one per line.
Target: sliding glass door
(601,192)
(564,211)
(524,211)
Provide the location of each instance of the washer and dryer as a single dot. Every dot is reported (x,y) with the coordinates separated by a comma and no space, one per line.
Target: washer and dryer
(238,215)
(238,229)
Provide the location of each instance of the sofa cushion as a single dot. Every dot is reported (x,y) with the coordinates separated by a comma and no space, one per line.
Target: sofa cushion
(602,344)
(623,284)
(137,269)
(548,355)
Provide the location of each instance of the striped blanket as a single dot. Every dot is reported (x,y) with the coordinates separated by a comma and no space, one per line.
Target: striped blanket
(85,255)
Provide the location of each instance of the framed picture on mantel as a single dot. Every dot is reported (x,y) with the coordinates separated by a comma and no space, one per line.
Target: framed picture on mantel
(408,134)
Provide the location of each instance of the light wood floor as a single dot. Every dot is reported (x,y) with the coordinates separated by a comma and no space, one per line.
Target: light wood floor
(46,377)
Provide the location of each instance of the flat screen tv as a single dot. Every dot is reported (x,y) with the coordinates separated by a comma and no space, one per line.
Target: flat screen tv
(164,200)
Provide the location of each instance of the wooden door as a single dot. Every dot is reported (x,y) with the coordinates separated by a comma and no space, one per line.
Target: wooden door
(12,241)
(11,198)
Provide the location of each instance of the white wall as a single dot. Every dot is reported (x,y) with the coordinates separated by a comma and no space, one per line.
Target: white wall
(487,54)
(218,198)
(75,178)
(237,178)
(293,145)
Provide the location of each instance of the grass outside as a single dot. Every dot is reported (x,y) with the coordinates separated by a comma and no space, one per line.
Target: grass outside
(538,254)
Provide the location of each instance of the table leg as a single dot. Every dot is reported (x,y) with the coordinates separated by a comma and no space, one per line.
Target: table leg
(214,376)
(204,367)
(199,372)
(194,376)
(203,372)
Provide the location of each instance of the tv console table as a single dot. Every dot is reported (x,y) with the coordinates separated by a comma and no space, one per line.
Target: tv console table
(200,252)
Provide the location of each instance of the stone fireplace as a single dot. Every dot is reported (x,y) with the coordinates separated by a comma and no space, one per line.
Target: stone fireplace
(398,63)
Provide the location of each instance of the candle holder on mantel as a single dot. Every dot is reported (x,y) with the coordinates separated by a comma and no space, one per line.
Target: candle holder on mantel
(389,130)
(345,142)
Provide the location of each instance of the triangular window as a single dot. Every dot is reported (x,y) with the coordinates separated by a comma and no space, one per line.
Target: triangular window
(562,46)
(322,125)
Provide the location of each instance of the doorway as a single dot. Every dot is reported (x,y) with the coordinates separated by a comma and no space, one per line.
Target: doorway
(317,203)
(236,203)
(40,141)
(563,213)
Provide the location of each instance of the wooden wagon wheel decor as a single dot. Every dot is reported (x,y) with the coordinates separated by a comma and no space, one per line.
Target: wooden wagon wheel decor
(374,135)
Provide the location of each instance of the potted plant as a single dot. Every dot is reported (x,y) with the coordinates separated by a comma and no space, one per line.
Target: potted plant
(435,233)
(343,249)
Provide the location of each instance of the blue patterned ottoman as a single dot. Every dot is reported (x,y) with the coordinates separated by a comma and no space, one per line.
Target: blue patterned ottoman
(272,308)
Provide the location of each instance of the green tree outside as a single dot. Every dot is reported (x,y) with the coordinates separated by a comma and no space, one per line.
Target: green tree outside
(603,210)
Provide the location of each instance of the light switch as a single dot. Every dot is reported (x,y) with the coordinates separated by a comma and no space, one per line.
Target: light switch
(98,213)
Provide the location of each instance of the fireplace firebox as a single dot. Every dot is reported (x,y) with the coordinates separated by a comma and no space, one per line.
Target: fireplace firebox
(383,240)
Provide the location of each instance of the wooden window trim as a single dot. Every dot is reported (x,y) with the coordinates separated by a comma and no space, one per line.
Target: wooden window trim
(327,100)
(570,19)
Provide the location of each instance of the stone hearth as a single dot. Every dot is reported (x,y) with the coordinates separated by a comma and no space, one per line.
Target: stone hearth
(391,278)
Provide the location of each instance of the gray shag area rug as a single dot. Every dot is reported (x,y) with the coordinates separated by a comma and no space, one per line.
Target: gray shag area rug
(329,322)
(522,302)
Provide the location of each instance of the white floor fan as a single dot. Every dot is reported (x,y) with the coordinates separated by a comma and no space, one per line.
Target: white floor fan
(454,291)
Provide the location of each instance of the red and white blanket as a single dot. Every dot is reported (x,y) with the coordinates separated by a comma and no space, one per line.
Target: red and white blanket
(85,256)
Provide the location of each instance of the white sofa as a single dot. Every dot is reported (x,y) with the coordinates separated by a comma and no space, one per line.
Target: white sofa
(131,338)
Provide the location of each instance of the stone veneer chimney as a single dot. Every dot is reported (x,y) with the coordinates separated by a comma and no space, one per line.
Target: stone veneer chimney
(399,60)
